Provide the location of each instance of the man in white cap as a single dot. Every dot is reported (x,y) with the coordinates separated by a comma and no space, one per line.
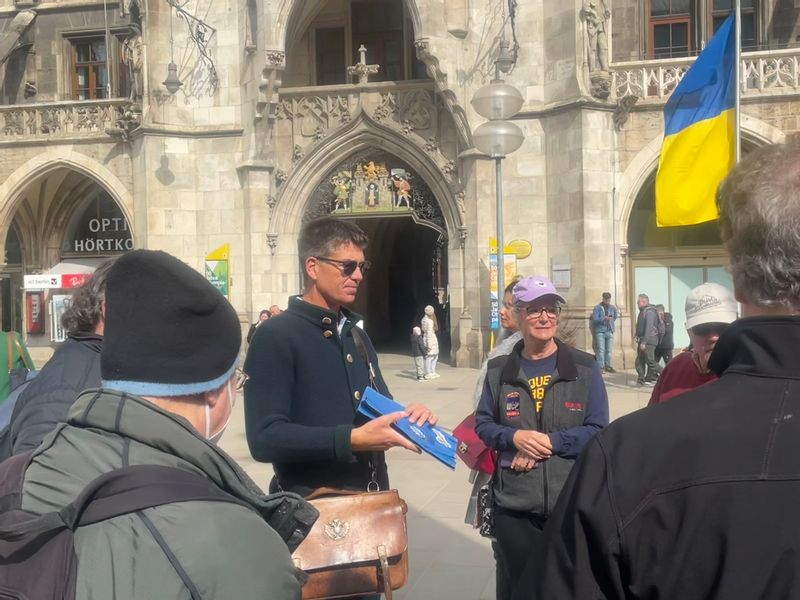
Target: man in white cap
(710,308)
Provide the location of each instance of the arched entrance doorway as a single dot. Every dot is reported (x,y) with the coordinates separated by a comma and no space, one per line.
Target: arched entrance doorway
(64,225)
(408,243)
(667,262)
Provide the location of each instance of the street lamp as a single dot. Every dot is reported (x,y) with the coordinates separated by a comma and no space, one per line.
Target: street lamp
(498,137)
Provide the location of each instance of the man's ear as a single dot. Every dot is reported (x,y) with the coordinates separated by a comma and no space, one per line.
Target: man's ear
(311,265)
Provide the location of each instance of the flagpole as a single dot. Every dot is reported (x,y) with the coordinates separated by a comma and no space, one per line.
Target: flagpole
(738,41)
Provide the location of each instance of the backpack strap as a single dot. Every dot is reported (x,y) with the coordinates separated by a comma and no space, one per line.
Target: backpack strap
(121,492)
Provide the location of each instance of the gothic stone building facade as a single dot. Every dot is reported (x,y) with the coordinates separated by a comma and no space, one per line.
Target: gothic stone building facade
(269,128)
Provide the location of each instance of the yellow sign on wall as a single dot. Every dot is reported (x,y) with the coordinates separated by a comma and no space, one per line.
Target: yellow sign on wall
(217,269)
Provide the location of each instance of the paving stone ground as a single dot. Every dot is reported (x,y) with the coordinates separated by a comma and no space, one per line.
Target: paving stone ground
(448,560)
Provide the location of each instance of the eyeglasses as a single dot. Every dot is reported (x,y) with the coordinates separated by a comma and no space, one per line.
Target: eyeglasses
(241,378)
(533,312)
(347,267)
(708,329)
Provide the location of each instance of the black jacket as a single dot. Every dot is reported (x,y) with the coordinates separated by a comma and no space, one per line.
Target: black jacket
(300,403)
(417,345)
(74,367)
(695,498)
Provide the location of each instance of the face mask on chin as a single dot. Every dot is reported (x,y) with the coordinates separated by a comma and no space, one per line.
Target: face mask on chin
(214,439)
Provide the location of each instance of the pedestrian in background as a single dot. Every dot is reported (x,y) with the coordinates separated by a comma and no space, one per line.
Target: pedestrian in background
(418,351)
(666,343)
(540,406)
(603,317)
(710,308)
(647,335)
(430,326)
(262,316)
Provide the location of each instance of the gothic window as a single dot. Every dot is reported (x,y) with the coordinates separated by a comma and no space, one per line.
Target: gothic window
(90,64)
(721,9)
(383,27)
(331,67)
(670,28)
(678,28)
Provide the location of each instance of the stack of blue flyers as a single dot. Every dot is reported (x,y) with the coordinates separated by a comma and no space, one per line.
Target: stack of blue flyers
(436,442)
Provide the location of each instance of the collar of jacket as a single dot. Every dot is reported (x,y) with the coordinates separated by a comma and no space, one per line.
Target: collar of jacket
(142,421)
(322,317)
(91,340)
(763,346)
(565,364)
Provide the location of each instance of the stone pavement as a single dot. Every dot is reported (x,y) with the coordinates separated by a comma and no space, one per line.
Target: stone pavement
(448,560)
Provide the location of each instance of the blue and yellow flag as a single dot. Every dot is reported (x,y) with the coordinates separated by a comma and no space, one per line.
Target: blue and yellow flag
(699,147)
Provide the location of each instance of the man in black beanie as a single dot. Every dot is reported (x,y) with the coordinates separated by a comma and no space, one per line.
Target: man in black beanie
(169,369)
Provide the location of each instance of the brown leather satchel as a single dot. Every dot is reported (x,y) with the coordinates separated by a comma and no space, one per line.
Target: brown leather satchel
(358,546)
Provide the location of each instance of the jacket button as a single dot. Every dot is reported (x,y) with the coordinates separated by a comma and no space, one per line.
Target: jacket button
(349,358)
(327,333)
(357,395)
(326,321)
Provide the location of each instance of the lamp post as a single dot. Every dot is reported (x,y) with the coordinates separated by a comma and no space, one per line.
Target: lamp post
(498,137)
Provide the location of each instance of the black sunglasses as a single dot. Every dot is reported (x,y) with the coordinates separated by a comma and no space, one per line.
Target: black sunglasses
(347,267)
(707,329)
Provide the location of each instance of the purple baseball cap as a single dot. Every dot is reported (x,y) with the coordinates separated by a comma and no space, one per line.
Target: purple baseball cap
(532,288)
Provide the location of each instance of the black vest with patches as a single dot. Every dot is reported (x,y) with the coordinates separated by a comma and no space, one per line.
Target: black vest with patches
(563,407)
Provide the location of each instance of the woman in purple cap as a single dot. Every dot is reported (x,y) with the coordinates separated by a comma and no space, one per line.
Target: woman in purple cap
(540,406)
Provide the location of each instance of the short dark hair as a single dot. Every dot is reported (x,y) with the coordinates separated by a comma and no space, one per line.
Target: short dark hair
(606,295)
(510,287)
(321,237)
(86,305)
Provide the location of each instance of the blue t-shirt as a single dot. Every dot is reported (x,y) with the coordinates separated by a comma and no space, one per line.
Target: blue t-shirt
(567,443)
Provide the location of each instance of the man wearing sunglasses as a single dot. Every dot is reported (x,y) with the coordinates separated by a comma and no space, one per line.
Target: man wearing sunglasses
(710,308)
(309,367)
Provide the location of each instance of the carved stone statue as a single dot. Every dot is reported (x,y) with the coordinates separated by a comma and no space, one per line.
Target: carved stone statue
(133,58)
(596,15)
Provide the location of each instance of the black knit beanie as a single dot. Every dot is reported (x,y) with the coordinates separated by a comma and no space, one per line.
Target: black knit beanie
(168,331)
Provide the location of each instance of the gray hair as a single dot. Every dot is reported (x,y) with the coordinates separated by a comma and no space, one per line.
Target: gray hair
(321,237)
(86,305)
(759,206)
(644,297)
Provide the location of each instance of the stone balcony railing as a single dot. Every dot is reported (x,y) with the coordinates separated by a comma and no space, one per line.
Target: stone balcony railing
(772,72)
(57,120)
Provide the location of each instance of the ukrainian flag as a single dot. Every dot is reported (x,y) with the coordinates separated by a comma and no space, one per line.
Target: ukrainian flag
(699,147)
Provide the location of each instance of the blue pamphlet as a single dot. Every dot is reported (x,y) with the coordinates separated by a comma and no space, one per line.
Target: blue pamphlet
(436,442)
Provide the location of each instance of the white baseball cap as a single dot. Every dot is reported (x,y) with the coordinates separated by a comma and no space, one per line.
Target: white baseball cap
(709,303)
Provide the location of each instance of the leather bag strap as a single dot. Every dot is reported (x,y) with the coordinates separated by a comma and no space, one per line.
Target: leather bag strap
(19,350)
(385,575)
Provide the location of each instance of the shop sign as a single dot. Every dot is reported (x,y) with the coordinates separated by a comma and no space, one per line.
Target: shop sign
(217,269)
(74,280)
(106,236)
(42,282)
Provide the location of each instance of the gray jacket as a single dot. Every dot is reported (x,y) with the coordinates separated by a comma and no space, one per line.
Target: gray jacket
(191,549)
(647,326)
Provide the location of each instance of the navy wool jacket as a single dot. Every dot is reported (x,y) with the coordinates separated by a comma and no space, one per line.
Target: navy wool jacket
(306,380)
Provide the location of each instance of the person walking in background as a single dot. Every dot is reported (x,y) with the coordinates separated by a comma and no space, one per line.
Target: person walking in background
(418,351)
(666,343)
(74,367)
(14,354)
(710,308)
(647,336)
(429,327)
(696,498)
(603,317)
(262,316)
(541,404)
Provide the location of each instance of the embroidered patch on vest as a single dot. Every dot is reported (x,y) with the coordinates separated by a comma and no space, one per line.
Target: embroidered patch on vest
(574,406)
(512,405)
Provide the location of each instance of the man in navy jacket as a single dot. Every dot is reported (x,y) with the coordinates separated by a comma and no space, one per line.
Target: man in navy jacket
(309,367)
